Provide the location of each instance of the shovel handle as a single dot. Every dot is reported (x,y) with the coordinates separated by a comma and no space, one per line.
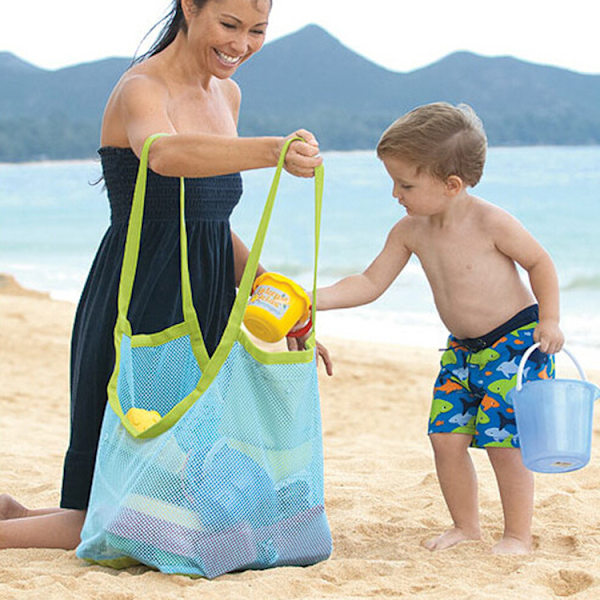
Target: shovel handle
(528,353)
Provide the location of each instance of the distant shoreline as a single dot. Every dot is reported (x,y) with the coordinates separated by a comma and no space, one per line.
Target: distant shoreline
(92,159)
(52,161)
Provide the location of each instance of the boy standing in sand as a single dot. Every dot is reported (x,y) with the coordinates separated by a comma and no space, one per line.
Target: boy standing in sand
(468,249)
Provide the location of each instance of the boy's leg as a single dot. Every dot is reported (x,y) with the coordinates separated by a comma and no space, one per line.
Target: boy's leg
(515,483)
(458,482)
(498,434)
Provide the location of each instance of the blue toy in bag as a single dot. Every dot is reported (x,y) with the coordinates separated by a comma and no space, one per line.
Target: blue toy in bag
(230,477)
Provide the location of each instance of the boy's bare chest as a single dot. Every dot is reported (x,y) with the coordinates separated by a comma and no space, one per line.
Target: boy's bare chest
(455,252)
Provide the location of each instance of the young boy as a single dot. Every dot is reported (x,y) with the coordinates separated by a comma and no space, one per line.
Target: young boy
(468,249)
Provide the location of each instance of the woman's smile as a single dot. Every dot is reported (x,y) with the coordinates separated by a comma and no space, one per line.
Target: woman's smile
(227,60)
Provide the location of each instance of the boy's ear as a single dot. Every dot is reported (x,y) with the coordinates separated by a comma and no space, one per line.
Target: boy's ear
(454,184)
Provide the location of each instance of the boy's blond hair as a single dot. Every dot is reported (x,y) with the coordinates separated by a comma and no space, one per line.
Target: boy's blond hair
(440,139)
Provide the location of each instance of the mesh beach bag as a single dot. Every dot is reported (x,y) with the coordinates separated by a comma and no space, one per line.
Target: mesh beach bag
(230,476)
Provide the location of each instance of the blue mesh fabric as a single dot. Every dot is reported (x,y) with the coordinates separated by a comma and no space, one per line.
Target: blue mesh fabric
(236,483)
(156,377)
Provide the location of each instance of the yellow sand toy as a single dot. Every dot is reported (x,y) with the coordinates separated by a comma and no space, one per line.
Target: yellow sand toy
(276,305)
(142,419)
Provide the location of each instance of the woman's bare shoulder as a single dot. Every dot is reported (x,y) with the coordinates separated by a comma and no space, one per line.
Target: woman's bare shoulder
(138,81)
(231,91)
(231,88)
(138,91)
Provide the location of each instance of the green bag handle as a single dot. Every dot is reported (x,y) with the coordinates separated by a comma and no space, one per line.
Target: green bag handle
(245,288)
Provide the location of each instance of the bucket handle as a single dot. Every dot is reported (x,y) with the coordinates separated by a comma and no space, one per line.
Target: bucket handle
(528,353)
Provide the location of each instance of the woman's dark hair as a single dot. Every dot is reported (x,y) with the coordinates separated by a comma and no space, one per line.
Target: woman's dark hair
(172,23)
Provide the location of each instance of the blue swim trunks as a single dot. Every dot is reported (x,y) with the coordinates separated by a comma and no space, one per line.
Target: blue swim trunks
(469,395)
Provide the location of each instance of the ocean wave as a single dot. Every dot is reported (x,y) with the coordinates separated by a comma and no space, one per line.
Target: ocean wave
(583,282)
(336,271)
(424,329)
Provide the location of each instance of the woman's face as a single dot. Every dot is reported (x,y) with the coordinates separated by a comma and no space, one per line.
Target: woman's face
(225,33)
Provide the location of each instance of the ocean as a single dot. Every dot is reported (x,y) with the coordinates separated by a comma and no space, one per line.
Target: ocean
(52,218)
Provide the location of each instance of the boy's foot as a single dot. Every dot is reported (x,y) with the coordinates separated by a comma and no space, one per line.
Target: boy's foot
(511,545)
(10,508)
(451,538)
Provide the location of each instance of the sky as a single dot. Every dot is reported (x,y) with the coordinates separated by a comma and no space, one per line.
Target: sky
(395,34)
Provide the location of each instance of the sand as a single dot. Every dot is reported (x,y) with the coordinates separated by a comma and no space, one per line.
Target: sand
(382,496)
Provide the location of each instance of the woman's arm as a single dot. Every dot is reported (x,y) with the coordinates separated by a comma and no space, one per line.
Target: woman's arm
(142,104)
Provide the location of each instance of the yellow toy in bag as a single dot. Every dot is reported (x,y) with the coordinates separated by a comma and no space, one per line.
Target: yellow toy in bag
(276,305)
(142,419)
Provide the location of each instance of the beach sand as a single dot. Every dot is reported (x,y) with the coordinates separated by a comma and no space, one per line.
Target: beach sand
(382,495)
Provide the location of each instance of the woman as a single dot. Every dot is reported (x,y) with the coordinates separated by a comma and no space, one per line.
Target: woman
(181,87)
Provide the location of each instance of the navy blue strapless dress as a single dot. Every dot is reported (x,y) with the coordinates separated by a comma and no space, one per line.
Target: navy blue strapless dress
(156,299)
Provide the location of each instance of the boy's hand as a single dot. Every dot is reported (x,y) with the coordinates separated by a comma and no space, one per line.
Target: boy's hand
(297,343)
(550,337)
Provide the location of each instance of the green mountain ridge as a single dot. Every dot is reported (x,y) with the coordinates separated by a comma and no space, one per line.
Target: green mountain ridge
(309,79)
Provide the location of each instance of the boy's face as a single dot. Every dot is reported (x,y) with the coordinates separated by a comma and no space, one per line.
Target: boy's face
(419,193)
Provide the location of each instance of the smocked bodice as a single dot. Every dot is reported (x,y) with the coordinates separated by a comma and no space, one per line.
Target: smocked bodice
(206,198)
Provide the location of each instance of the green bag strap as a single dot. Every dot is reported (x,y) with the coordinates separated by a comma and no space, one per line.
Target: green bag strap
(245,287)
(189,312)
(319,184)
(132,248)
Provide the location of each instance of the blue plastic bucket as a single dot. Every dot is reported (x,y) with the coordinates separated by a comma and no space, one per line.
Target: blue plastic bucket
(554,419)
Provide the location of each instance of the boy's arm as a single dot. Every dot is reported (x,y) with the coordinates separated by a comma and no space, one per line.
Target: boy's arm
(544,284)
(517,243)
(365,287)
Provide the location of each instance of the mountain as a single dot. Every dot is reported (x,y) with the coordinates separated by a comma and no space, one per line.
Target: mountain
(315,81)
(309,79)
(9,62)
(53,114)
